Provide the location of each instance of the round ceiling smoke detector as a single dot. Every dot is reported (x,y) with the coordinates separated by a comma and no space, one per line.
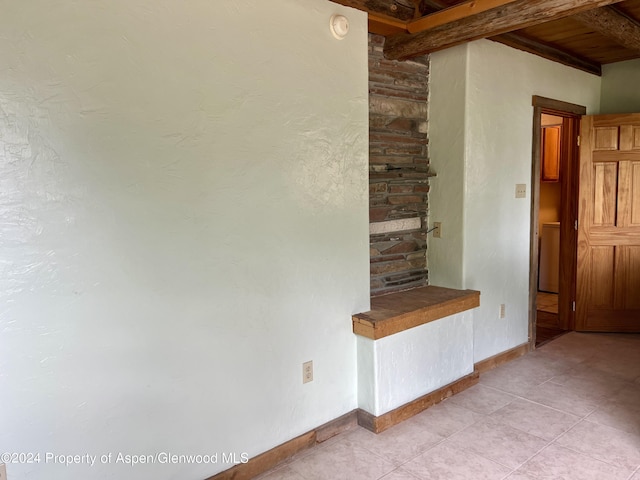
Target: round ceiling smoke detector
(339,25)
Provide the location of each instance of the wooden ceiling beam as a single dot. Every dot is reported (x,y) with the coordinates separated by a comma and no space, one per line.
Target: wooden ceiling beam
(506,18)
(382,7)
(384,25)
(613,24)
(550,52)
(457,12)
(536,47)
(434,4)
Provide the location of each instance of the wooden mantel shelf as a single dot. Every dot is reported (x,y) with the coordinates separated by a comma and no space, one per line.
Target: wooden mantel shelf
(401,311)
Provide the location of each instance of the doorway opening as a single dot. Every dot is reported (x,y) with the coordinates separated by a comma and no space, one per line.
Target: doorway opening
(548,324)
(554,214)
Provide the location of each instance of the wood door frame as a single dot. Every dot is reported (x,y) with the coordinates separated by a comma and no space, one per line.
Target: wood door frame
(569,180)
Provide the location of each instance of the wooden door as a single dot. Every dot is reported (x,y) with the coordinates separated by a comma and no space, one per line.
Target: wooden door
(608,276)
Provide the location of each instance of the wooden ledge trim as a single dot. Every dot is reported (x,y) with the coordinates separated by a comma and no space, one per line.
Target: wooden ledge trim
(397,312)
(408,410)
(269,459)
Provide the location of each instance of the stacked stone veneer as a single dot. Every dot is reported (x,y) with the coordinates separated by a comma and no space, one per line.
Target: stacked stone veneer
(398,170)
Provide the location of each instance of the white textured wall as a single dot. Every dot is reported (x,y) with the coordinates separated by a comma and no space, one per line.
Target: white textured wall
(184,222)
(420,360)
(447,102)
(368,390)
(502,81)
(497,155)
(400,368)
(620,91)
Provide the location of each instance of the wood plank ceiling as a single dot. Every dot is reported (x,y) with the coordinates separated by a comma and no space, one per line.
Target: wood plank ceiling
(584,34)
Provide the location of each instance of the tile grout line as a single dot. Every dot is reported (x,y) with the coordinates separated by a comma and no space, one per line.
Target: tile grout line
(594,458)
(467,451)
(402,464)
(637,470)
(573,449)
(549,442)
(440,442)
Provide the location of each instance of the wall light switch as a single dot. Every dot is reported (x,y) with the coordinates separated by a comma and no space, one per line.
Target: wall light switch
(521,190)
(307,372)
(437,229)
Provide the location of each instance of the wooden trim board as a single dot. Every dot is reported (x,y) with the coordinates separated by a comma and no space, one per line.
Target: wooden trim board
(396,312)
(490,363)
(534,242)
(408,410)
(267,460)
(558,106)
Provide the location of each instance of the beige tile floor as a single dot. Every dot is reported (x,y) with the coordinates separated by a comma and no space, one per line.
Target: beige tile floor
(570,411)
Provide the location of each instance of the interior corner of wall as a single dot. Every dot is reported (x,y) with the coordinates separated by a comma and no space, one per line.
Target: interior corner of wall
(367,375)
(465,160)
(376,373)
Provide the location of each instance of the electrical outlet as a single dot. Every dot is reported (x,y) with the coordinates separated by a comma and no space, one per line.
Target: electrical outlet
(521,190)
(3,471)
(503,310)
(437,232)
(307,371)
